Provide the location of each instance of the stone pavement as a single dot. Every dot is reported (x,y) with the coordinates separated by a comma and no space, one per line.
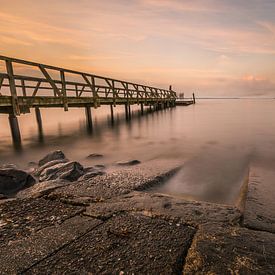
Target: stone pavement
(74,229)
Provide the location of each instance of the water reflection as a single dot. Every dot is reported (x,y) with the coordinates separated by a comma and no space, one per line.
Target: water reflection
(216,141)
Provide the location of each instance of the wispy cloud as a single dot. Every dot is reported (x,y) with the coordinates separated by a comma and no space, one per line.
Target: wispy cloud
(208,44)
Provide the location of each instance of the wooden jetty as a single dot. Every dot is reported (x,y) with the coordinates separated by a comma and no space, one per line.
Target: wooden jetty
(25,85)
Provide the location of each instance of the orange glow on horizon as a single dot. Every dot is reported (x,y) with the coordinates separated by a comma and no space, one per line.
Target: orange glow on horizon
(214,47)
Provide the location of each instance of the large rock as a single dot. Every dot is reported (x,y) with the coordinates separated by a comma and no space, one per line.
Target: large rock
(55,155)
(37,172)
(14,180)
(70,171)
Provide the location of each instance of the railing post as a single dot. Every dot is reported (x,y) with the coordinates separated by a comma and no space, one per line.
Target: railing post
(15,105)
(89,120)
(112,112)
(64,93)
(126,111)
(141,108)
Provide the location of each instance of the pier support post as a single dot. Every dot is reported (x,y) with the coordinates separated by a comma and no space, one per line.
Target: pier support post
(89,120)
(194,99)
(15,131)
(129,110)
(112,112)
(126,111)
(39,123)
(141,108)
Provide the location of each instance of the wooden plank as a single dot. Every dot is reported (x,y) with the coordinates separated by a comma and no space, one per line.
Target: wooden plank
(50,80)
(92,87)
(1,81)
(36,88)
(23,87)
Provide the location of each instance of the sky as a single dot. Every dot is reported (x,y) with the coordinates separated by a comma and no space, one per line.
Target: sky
(210,47)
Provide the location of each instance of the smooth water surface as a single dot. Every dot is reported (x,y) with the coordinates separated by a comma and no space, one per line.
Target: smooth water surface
(216,140)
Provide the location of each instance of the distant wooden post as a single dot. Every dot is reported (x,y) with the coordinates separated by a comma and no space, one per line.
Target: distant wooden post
(15,131)
(141,108)
(39,123)
(89,120)
(126,111)
(112,112)
(129,110)
(194,99)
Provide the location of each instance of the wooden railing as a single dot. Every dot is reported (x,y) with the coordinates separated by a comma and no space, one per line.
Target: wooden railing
(40,80)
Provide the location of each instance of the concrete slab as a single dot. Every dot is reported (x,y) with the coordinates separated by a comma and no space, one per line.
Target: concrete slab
(259,212)
(21,218)
(230,250)
(118,182)
(125,244)
(19,255)
(151,204)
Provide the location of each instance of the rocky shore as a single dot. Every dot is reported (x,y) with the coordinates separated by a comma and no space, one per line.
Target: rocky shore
(61,217)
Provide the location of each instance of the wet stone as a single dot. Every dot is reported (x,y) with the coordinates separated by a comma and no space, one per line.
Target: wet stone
(42,188)
(94,156)
(125,244)
(259,210)
(191,212)
(230,250)
(128,162)
(13,180)
(115,183)
(70,171)
(19,255)
(23,217)
(55,155)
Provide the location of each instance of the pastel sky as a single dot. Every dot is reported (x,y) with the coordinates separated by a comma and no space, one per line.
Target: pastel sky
(212,47)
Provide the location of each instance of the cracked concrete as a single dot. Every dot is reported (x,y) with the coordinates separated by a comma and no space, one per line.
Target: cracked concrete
(104,225)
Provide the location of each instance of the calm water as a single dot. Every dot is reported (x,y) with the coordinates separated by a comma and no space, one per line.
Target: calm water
(216,140)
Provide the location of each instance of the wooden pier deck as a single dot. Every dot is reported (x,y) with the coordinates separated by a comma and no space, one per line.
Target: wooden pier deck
(40,85)
(25,85)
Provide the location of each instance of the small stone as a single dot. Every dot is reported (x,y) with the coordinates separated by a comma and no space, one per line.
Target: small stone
(128,162)
(55,155)
(92,156)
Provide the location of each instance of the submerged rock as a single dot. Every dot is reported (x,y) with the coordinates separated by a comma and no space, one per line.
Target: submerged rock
(92,156)
(55,155)
(13,180)
(93,174)
(70,171)
(101,166)
(128,162)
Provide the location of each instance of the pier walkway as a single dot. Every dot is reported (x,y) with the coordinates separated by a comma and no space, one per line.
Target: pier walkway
(25,85)
(39,85)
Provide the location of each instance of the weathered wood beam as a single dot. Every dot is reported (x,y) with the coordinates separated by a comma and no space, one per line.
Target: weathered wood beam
(92,87)
(50,80)
(15,105)
(23,87)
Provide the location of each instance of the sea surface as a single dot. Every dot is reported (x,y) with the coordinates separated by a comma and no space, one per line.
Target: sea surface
(216,141)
